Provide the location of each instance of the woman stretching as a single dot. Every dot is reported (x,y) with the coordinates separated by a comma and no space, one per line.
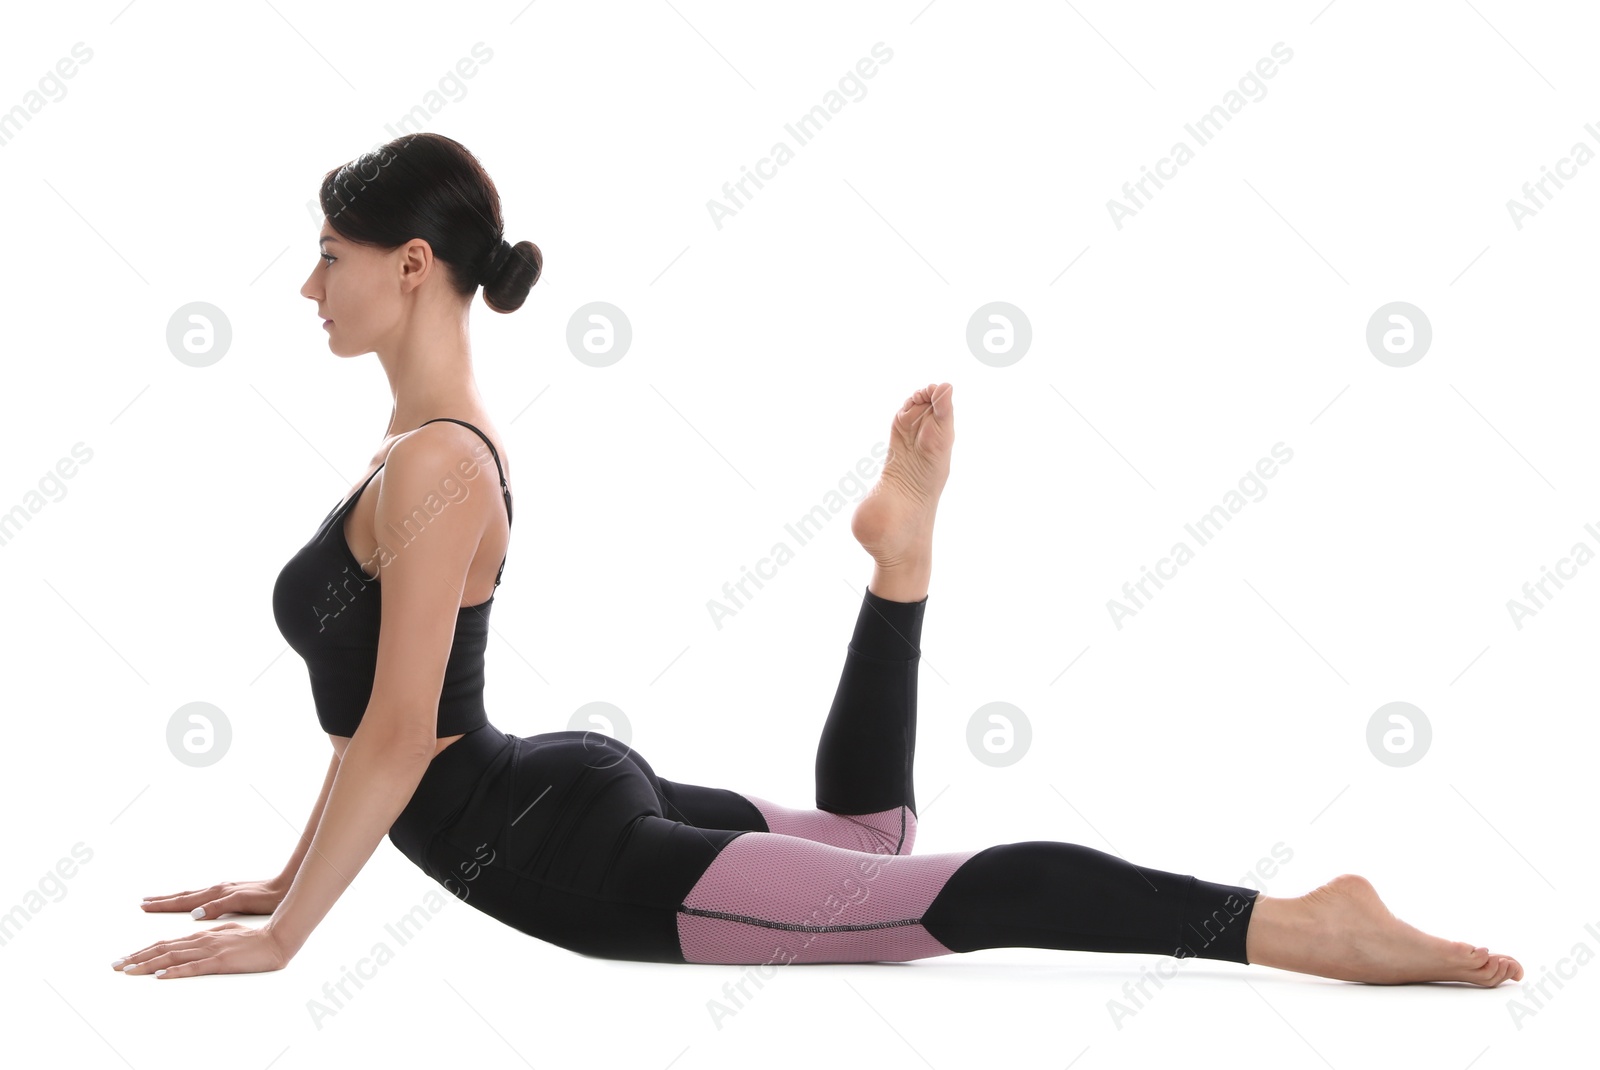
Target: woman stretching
(571,836)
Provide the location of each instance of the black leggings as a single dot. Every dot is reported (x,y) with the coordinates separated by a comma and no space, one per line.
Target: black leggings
(572,837)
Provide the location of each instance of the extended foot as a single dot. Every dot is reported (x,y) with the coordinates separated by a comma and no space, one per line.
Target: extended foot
(1343,930)
(894,522)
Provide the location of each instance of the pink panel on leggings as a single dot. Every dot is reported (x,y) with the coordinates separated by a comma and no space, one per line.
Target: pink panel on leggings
(773,897)
(877,833)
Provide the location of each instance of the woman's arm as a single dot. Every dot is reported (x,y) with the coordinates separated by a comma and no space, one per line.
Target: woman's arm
(286,878)
(396,738)
(247,897)
(370,787)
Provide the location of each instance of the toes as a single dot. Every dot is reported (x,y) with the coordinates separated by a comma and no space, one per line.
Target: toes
(1492,972)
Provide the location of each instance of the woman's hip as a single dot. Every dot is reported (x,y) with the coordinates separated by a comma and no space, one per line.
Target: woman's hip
(611,893)
(455,777)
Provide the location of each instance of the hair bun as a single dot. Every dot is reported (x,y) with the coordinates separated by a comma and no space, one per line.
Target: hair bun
(497,260)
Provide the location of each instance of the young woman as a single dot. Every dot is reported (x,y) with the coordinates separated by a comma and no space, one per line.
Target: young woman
(571,836)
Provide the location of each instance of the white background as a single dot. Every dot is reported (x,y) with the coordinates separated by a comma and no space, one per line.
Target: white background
(1227,718)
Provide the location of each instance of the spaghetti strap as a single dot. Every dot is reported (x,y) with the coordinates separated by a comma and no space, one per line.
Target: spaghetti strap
(504,489)
(344,506)
(492,452)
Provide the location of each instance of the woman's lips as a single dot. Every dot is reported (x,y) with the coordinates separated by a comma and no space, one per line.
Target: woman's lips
(326,322)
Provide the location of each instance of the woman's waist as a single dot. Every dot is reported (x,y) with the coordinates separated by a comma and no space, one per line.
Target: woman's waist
(446,785)
(480,763)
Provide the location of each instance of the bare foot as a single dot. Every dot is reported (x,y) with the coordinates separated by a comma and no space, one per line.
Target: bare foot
(894,522)
(1343,930)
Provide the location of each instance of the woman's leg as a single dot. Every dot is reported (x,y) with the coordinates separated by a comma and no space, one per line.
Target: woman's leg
(864,791)
(778,899)
(864,759)
(768,899)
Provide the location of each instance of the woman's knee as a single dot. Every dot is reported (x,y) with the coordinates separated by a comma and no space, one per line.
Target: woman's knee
(910,836)
(891,832)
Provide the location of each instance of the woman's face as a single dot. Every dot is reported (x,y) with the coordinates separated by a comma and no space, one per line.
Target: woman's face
(357,292)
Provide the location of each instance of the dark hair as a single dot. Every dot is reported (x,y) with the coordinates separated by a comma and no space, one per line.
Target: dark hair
(429,186)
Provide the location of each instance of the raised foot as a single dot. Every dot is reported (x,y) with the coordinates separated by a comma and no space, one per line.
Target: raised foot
(894,522)
(1343,930)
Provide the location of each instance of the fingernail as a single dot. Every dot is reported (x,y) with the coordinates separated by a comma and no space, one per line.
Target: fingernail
(119,962)
(129,966)
(158,973)
(198,912)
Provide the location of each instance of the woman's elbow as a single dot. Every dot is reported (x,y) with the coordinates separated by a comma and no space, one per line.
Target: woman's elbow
(396,742)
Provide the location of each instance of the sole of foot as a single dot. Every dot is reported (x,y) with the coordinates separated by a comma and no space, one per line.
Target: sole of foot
(1344,930)
(894,522)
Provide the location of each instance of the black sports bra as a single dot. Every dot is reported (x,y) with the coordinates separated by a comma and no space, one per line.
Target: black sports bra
(328,611)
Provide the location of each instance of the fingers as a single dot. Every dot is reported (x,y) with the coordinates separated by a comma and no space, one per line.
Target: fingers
(154,956)
(142,952)
(167,961)
(192,968)
(134,962)
(176,901)
(232,903)
(212,909)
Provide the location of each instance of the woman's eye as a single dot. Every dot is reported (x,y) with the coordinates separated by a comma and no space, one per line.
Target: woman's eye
(326,257)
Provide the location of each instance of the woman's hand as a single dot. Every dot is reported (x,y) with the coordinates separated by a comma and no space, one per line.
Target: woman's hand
(226,948)
(229,897)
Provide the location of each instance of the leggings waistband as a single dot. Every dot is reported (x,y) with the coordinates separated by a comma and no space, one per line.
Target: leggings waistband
(445,788)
